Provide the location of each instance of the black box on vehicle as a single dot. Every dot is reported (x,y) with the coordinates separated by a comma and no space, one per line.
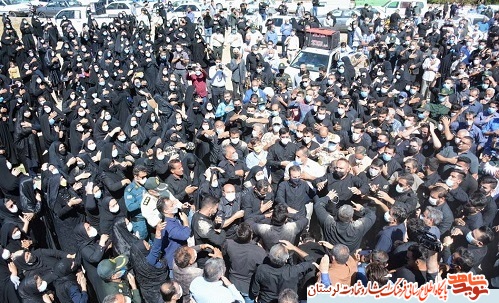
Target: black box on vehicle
(322,38)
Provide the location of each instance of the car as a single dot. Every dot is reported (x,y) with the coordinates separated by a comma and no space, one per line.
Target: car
(278,20)
(342,15)
(53,7)
(15,8)
(319,49)
(181,11)
(128,7)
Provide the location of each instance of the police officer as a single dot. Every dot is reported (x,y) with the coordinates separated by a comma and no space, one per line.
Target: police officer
(134,193)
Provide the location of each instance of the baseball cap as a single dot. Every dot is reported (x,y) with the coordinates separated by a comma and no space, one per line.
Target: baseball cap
(276,120)
(424,108)
(282,66)
(254,47)
(154,184)
(445,92)
(108,267)
(403,95)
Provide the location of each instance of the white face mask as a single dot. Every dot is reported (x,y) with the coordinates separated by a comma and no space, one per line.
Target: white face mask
(214,183)
(276,128)
(235,157)
(114,153)
(129,226)
(230,196)
(407,123)
(374,172)
(14,209)
(114,209)
(432,201)
(16,235)
(122,138)
(470,238)
(5,254)
(356,136)
(91,147)
(105,128)
(42,286)
(98,194)
(259,177)
(449,183)
(205,127)
(234,140)
(161,157)
(285,141)
(92,232)
(399,189)
(388,218)
(133,123)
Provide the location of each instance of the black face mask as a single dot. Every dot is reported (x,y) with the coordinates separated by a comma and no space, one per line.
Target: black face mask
(191,166)
(339,175)
(295,182)
(260,195)
(412,151)
(237,108)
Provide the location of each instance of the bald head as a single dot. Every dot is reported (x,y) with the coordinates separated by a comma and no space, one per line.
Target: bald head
(323,131)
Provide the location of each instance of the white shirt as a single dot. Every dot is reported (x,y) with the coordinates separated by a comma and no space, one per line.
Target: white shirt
(217,40)
(213,292)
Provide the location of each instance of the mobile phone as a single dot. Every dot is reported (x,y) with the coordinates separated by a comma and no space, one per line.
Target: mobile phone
(365,252)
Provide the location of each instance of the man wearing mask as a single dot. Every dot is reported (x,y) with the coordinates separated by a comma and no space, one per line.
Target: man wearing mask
(295,193)
(234,167)
(180,61)
(113,271)
(255,89)
(204,228)
(341,180)
(401,193)
(134,194)
(437,199)
(476,240)
(230,213)
(394,230)
(257,202)
(236,142)
(280,154)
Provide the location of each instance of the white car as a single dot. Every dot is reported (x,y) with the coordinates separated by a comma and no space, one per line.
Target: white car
(127,7)
(15,8)
(181,11)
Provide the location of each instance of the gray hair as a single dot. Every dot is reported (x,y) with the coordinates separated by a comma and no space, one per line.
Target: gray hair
(435,215)
(341,253)
(345,213)
(288,296)
(278,255)
(214,269)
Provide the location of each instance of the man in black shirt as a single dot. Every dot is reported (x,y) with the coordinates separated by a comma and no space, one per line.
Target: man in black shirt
(203,228)
(178,183)
(295,193)
(280,154)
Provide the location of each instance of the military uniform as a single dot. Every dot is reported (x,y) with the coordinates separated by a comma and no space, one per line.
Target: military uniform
(134,194)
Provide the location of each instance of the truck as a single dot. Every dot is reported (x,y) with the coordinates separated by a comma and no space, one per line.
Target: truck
(321,45)
(78,16)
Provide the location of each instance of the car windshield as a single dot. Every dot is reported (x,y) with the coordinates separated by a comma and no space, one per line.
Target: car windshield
(19,1)
(312,60)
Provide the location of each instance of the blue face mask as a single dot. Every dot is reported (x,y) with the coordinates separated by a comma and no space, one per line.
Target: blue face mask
(364,94)
(321,140)
(421,116)
(121,273)
(51,121)
(261,107)
(380,144)
(386,157)
(492,110)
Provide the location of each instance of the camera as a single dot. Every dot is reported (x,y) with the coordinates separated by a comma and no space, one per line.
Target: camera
(220,66)
(429,240)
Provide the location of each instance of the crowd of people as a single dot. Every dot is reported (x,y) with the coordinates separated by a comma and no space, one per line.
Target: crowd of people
(129,172)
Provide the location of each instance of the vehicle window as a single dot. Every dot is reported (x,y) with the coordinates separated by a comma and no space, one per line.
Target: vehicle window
(112,6)
(122,6)
(278,21)
(68,14)
(312,60)
(405,4)
(194,8)
(393,4)
(77,14)
(336,13)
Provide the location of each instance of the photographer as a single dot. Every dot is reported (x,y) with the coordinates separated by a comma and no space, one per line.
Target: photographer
(219,79)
